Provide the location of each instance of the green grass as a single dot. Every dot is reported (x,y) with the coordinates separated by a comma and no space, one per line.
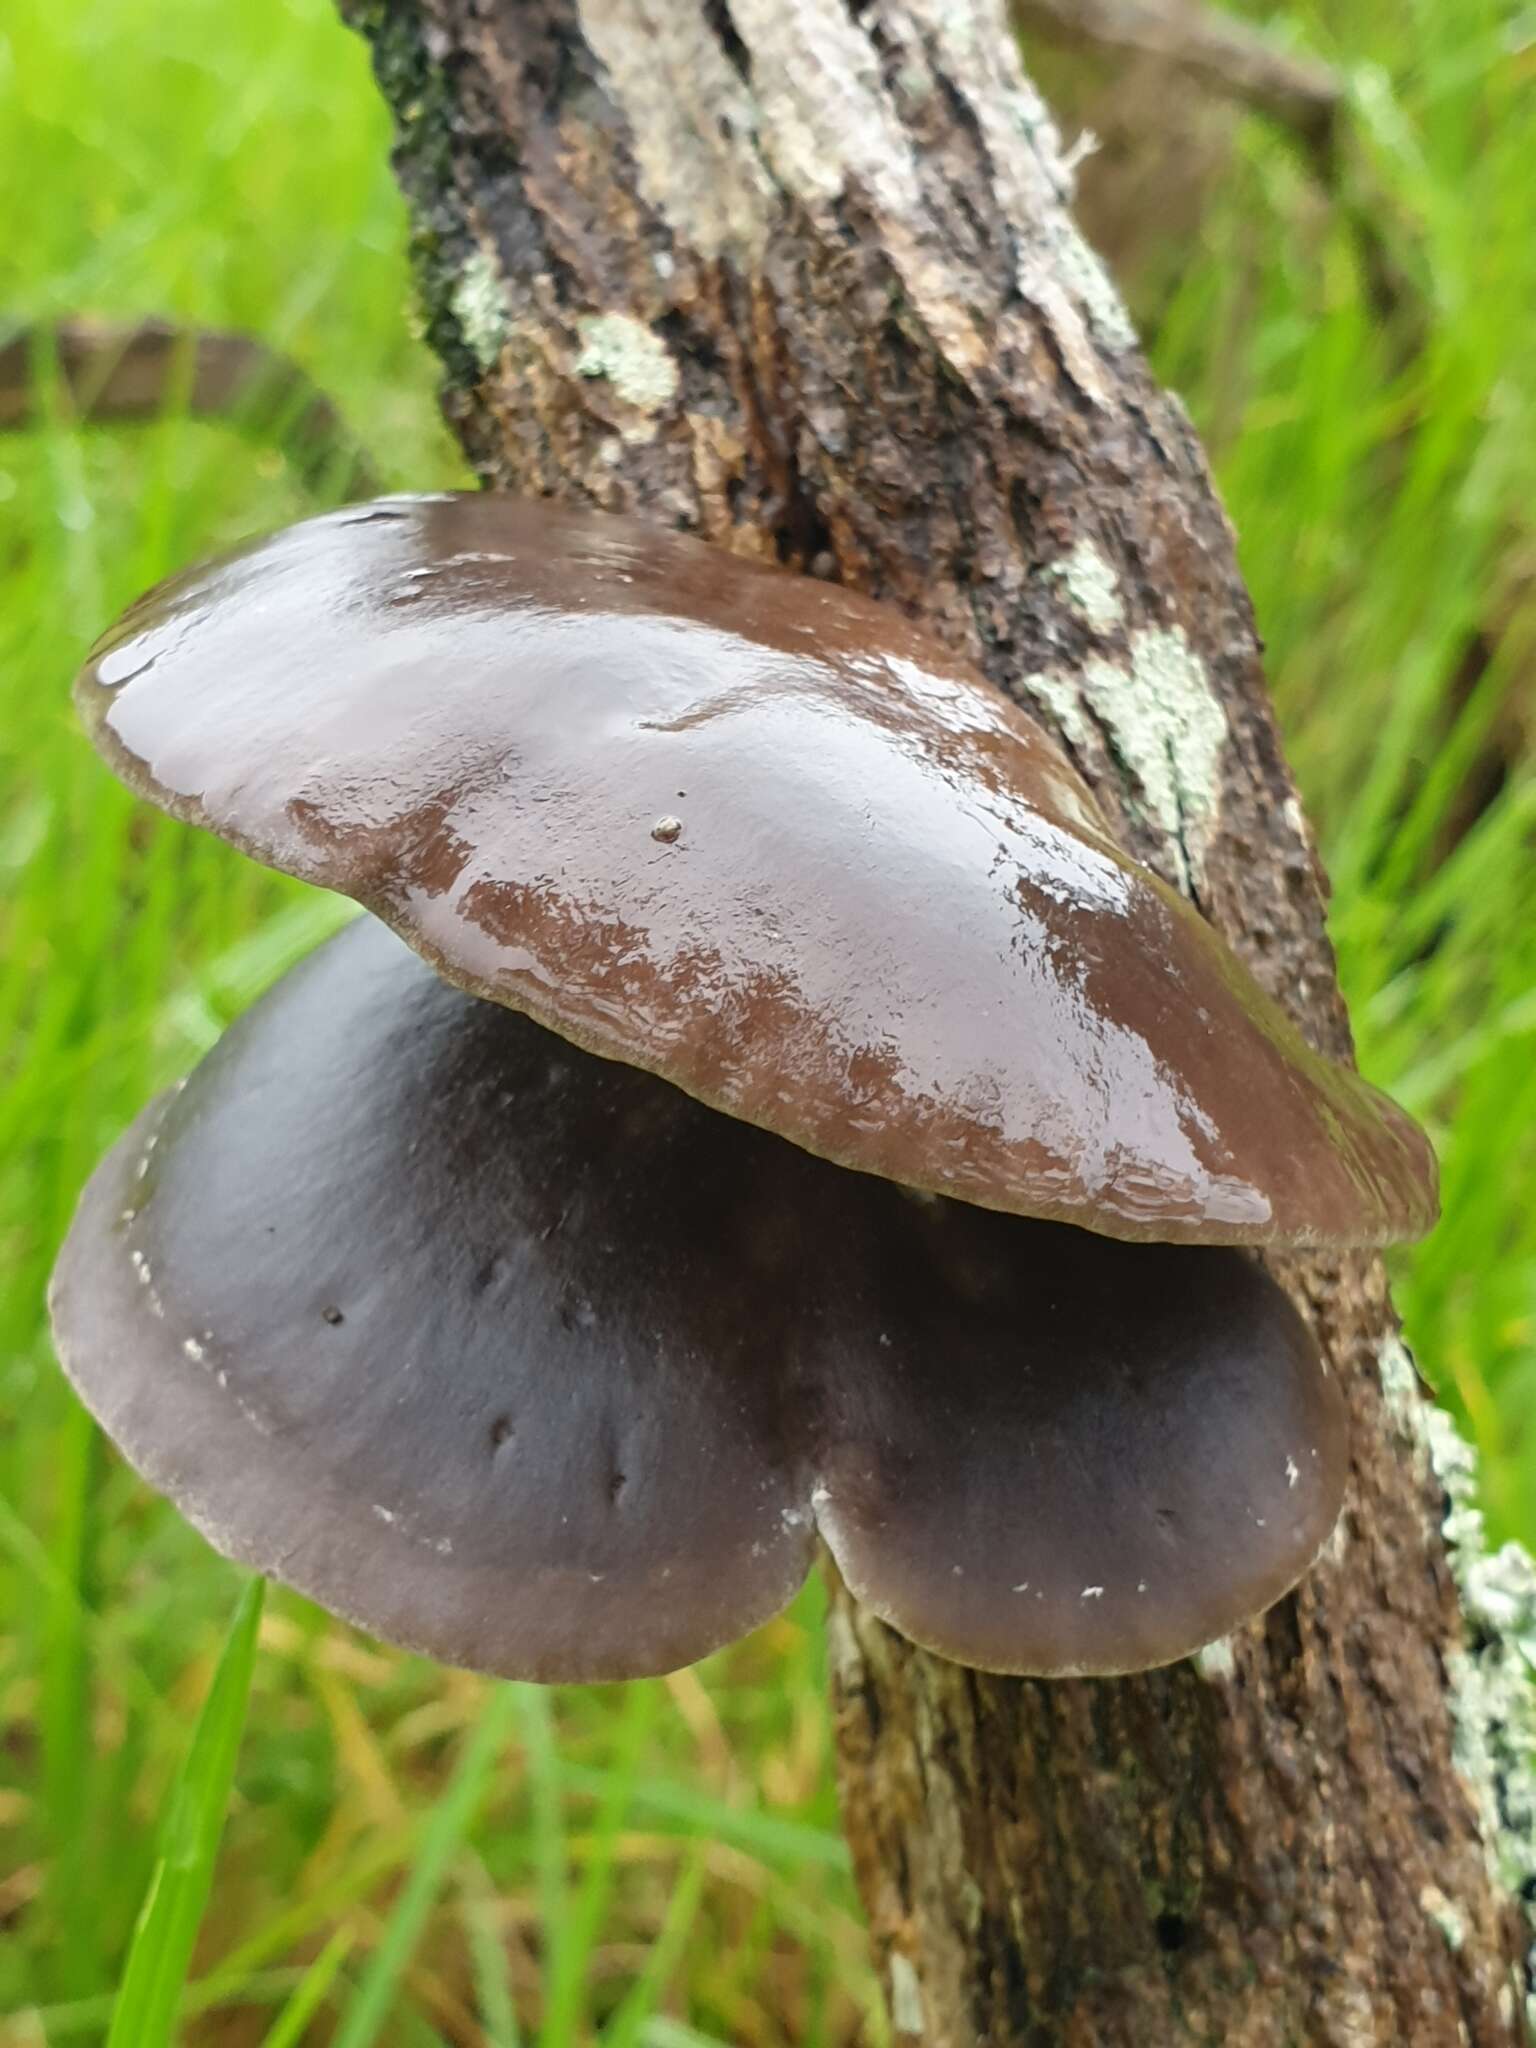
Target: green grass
(411,1856)
(148,2004)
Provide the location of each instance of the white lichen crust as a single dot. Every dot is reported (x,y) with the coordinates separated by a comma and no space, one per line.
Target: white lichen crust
(1493,1699)
(1167,726)
(1217,1662)
(1092,586)
(1156,706)
(906,1997)
(635,362)
(480,307)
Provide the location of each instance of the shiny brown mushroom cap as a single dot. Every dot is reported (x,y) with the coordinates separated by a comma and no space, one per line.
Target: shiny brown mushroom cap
(758,835)
(528,1360)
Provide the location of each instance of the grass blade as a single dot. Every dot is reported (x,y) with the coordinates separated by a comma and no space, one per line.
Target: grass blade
(488,1960)
(576,1923)
(150,1995)
(65,1719)
(288,2029)
(440,1843)
(546,1793)
(637,2013)
(664,2033)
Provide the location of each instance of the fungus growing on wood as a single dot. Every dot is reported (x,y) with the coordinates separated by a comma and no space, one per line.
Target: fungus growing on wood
(525,1359)
(522,1356)
(757,834)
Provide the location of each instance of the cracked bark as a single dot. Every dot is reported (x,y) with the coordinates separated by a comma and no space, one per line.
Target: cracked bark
(800,275)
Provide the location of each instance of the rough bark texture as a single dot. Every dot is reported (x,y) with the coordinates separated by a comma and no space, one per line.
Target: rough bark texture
(800,275)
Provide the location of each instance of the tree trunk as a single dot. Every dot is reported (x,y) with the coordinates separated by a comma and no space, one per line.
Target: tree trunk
(800,275)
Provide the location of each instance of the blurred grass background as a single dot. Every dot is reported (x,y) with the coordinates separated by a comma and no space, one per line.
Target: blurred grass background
(660,1864)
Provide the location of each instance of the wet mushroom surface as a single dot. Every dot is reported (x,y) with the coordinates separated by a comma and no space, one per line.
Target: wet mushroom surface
(758,835)
(529,1360)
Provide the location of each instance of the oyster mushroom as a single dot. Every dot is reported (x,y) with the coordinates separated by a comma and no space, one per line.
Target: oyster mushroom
(523,1358)
(561,1365)
(758,835)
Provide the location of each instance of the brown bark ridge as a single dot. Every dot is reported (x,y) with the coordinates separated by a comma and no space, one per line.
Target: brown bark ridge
(800,275)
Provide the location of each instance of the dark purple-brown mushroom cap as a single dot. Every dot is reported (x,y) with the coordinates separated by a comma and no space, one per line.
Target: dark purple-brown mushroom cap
(526,1359)
(758,835)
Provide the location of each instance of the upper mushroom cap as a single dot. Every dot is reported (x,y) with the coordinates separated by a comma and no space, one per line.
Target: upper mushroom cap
(756,834)
(526,1359)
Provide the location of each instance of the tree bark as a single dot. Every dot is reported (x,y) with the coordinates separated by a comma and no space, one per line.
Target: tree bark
(800,275)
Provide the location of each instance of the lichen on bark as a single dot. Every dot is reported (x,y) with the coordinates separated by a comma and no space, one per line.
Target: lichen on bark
(1490,1674)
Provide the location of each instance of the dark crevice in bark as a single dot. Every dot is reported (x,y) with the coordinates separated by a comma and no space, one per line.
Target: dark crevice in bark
(717,13)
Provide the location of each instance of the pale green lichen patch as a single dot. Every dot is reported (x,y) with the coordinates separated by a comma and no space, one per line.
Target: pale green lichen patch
(1437,1909)
(1216,1662)
(479,303)
(906,2001)
(1091,585)
(1167,726)
(1402,1393)
(1493,1698)
(635,362)
(1090,282)
(1056,697)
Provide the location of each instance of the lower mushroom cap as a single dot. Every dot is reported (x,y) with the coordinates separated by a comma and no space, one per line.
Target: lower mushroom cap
(528,1360)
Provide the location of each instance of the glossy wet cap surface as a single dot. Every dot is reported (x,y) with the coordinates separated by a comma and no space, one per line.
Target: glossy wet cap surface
(758,835)
(530,1361)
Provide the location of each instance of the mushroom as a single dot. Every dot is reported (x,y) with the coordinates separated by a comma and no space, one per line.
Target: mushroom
(524,1357)
(758,835)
